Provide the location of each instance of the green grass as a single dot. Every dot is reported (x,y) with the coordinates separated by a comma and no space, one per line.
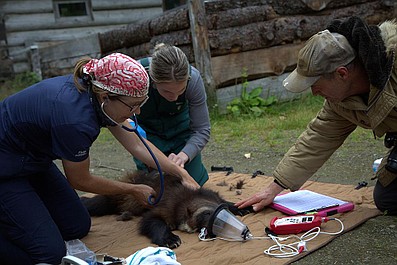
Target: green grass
(284,121)
(17,83)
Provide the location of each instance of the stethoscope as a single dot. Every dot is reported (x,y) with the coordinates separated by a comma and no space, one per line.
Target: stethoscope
(135,130)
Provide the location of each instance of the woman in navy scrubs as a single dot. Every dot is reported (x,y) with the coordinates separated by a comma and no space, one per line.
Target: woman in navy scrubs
(60,118)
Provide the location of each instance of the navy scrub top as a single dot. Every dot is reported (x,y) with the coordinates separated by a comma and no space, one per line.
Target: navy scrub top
(47,121)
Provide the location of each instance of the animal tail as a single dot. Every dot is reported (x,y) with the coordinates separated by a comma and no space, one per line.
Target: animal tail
(99,205)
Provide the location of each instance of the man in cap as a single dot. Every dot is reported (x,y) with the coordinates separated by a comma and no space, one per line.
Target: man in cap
(60,118)
(352,65)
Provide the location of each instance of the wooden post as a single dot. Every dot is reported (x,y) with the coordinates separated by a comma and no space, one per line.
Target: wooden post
(35,60)
(202,54)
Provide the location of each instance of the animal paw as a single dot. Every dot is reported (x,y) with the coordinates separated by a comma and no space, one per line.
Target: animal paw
(170,241)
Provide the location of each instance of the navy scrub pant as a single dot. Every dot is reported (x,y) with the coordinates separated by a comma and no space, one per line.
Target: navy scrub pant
(37,214)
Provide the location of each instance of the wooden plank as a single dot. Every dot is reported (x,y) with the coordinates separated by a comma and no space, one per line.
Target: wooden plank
(18,53)
(87,45)
(63,66)
(26,22)
(26,7)
(125,16)
(230,67)
(21,67)
(124,4)
(19,38)
(201,47)
(44,6)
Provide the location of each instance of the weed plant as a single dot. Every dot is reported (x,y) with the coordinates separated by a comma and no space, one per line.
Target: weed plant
(19,82)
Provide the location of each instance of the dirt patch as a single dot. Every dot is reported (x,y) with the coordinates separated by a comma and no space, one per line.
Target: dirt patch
(374,242)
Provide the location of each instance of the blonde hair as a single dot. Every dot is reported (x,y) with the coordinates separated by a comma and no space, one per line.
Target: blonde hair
(169,64)
(79,74)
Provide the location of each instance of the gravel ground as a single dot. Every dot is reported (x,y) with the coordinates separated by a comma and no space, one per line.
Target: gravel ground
(374,242)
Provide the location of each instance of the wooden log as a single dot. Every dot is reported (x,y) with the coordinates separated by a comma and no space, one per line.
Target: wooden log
(282,7)
(146,49)
(270,33)
(238,17)
(129,36)
(248,14)
(138,51)
(172,20)
(254,13)
(288,29)
(176,38)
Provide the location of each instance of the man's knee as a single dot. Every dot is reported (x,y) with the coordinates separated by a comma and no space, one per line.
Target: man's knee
(386,198)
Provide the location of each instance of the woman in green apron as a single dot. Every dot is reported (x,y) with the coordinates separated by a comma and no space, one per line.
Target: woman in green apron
(175,118)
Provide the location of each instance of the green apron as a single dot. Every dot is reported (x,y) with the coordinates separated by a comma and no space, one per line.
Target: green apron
(167,127)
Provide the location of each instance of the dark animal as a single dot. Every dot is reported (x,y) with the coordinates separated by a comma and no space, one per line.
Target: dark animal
(180,208)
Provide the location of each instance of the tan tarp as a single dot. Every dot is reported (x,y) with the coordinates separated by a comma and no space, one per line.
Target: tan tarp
(121,239)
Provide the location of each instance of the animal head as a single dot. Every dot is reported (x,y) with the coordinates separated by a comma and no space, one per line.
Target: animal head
(198,216)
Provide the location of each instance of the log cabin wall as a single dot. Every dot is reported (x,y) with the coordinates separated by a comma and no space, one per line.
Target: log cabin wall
(36,24)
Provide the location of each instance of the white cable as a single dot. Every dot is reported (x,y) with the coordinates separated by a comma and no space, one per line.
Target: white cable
(284,250)
(288,250)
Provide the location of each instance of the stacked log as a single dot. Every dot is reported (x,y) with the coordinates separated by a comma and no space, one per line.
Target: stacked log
(242,26)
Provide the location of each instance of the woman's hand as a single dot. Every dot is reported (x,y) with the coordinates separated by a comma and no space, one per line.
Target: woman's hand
(187,180)
(262,198)
(142,194)
(190,183)
(179,159)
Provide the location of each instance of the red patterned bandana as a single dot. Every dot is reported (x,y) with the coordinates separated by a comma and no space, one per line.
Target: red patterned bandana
(118,74)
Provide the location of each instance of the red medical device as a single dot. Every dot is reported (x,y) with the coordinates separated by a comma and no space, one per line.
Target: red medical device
(295,224)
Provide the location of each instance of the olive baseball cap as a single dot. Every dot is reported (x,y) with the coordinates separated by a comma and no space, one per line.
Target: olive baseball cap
(322,54)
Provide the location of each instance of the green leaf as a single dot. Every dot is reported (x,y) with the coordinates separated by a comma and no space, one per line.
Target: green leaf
(256,92)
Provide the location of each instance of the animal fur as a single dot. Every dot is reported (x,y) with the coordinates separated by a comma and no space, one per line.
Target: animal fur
(180,208)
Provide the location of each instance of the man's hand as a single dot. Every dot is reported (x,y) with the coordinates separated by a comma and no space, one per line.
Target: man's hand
(261,199)
(179,159)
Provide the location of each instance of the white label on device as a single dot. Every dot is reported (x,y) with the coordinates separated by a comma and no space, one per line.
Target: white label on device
(293,220)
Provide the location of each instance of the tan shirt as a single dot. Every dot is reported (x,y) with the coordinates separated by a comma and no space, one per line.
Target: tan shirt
(334,123)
